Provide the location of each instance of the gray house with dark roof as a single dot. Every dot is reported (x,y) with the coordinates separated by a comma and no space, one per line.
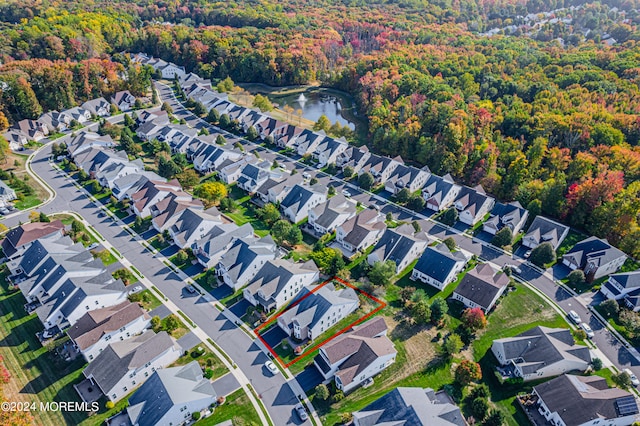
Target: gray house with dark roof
(278,281)
(357,355)
(543,230)
(241,263)
(624,286)
(316,309)
(354,157)
(326,217)
(361,231)
(438,266)
(473,204)
(7,193)
(98,107)
(440,192)
(170,396)
(481,287)
(380,167)
(595,257)
(406,177)
(402,245)
(411,406)
(300,200)
(584,401)
(122,366)
(193,224)
(210,249)
(541,352)
(124,100)
(511,215)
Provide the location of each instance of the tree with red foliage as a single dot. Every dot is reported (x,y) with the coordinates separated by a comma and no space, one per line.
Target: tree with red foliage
(584,197)
(467,372)
(474,319)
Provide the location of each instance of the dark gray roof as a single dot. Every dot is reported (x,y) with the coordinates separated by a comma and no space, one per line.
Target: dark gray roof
(328,212)
(299,196)
(593,250)
(167,388)
(437,262)
(437,188)
(276,274)
(243,253)
(396,243)
(581,399)
(481,285)
(627,279)
(508,215)
(411,407)
(117,359)
(471,199)
(545,230)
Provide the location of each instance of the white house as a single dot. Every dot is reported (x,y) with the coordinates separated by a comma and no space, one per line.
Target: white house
(473,204)
(406,177)
(361,231)
(278,281)
(595,257)
(440,192)
(300,200)
(124,100)
(96,329)
(543,230)
(242,262)
(438,266)
(541,352)
(315,310)
(401,245)
(98,107)
(124,365)
(7,193)
(171,396)
(481,287)
(622,286)
(511,215)
(326,217)
(571,400)
(357,355)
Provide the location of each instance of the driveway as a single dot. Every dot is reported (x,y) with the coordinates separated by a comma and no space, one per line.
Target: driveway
(309,378)
(239,309)
(274,336)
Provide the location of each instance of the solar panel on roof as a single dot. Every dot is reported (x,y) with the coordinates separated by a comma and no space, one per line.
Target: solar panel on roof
(626,405)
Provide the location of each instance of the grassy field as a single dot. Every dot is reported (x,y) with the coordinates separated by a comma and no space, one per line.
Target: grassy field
(236,408)
(16,163)
(246,212)
(36,374)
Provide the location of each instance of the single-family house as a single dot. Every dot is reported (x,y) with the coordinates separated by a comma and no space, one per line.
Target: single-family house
(307,141)
(77,114)
(357,355)
(153,192)
(32,129)
(481,287)
(170,71)
(93,332)
(354,157)
(511,215)
(123,366)
(171,396)
(540,352)
(94,159)
(145,116)
(300,200)
(98,107)
(315,310)
(407,177)
(571,400)
(361,231)
(252,176)
(108,174)
(7,194)
(473,204)
(88,140)
(149,130)
(286,136)
(411,406)
(124,100)
(440,192)
(166,212)
(210,249)
(275,189)
(55,121)
(380,167)
(595,257)
(401,245)
(244,259)
(125,186)
(438,266)
(193,224)
(328,150)
(19,239)
(278,281)
(543,230)
(230,173)
(326,217)
(623,286)
(268,127)
(251,119)
(16,139)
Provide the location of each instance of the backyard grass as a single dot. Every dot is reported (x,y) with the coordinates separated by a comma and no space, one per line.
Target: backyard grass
(206,359)
(156,244)
(246,212)
(146,299)
(236,408)
(16,163)
(106,256)
(572,238)
(36,374)
(183,264)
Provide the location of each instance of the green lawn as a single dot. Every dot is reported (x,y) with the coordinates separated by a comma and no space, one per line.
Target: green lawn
(237,408)
(572,238)
(155,243)
(147,299)
(185,263)
(106,256)
(27,202)
(208,360)
(246,212)
(35,372)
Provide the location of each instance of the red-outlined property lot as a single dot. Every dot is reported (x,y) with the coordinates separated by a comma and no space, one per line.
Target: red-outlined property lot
(312,349)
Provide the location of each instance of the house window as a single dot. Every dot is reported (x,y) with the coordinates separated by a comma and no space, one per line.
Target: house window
(146,374)
(124,388)
(113,396)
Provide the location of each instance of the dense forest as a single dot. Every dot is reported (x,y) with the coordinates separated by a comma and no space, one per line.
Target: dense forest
(545,113)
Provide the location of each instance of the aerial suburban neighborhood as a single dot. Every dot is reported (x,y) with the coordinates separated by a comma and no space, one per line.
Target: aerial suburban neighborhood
(178,248)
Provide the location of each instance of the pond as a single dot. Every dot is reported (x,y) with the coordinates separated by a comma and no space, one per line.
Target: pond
(337,106)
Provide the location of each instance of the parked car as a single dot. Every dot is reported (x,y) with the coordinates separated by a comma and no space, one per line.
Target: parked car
(191,289)
(48,334)
(634,379)
(346,193)
(587,330)
(527,254)
(92,246)
(513,268)
(135,289)
(573,316)
(271,367)
(301,412)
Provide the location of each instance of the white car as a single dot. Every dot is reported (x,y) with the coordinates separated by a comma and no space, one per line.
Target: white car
(47,334)
(301,412)
(346,193)
(634,379)
(271,367)
(527,254)
(135,289)
(573,315)
(587,330)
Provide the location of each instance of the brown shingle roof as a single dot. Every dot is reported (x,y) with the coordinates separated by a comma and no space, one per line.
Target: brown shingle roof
(30,232)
